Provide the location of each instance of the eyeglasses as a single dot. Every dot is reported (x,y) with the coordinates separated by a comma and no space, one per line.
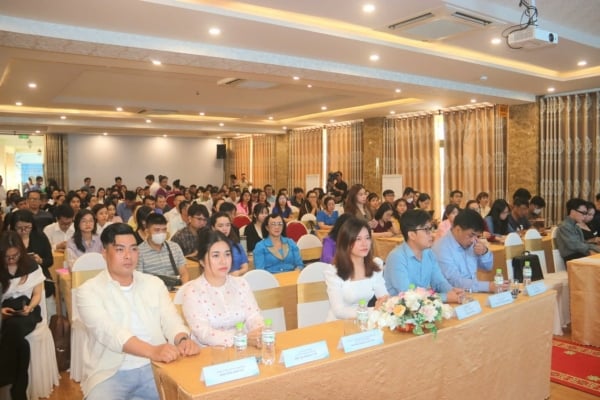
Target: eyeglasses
(275,223)
(427,229)
(581,212)
(12,257)
(199,218)
(24,228)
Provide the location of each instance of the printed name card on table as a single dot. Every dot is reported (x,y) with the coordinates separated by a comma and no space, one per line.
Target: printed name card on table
(304,354)
(535,288)
(229,371)
(360,341)
(468,310)
(500,299)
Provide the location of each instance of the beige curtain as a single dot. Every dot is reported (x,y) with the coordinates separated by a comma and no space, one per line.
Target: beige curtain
(569,150)
(410,149)
(263,154)
(238,156)
(474,152)
(56,159)
(306,149)
(345,151)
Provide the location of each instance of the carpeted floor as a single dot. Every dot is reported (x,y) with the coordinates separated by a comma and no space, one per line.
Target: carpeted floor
(576,366)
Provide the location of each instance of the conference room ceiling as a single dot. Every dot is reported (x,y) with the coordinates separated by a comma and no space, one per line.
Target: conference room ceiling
(90,57)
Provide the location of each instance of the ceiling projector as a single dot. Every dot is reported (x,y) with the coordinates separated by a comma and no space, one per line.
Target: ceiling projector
(532,38)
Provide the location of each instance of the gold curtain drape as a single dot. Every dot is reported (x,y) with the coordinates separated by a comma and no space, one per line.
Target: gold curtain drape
(410,149)
(306,149)
(56,159)
(474,151)
(263,154)
(238,156)
(345,151)
(569,150)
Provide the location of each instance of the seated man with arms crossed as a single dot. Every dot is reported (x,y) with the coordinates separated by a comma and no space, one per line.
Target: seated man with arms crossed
(130,320)
(460,252)
(413,262)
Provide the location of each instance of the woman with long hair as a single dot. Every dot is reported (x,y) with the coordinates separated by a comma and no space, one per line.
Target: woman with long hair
(450,213)
(400,206)
(253,231)
(244,205)
(356,204)
(355,276)
(282,208)
(100,212)
(85,239)
(140,215)
(222,222)
(329,241)
(497,219)
(310,204)
(383,216)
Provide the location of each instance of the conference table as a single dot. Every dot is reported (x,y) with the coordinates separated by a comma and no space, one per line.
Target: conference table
(502,353)
(584,284)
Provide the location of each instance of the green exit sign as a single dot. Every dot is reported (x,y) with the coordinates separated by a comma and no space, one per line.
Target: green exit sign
(23,136)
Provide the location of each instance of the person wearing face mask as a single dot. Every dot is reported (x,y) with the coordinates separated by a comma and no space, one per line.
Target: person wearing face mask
(536,206)
(159,256)
(409,196)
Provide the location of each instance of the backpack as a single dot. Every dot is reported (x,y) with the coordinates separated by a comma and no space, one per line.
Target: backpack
(61,333)
(518,263)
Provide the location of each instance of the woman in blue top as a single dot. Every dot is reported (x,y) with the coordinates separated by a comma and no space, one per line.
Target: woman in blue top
(328,215)
(282,208)
(276,253)
(221,222)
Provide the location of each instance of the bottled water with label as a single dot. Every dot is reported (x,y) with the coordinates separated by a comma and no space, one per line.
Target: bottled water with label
(499,280)
(268,343)
(526,273)
(362,315)
(240,340)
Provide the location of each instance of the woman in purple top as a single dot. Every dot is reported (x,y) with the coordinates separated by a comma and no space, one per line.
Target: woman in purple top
(329,241)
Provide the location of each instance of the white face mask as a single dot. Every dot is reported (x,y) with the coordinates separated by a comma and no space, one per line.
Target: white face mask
(159,238)
(409,200)
(537,211)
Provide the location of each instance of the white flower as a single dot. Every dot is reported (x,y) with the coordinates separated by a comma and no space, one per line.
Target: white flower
(447,311)
(429,312)
(412,300)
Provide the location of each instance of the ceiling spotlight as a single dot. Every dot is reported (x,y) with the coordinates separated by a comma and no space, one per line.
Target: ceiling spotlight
(323,108)
(218,137)
(309,86)
(582,63)
(214,31)
(63,117)
(32,85)
(237,134)
(148,121)
(18,103)
(551,89)
(119,109)
(473,100)
(332,120)
(496,41)
(284,128)
(368,8)
(201,114)
(104,133)
(221,124)
(38,131)
(392,112)
(270,118)
(165,135)
(374,57)
(156,62)
(296,78)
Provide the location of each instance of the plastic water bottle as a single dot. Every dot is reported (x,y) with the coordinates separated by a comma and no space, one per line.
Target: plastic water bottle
(499,280)
(268,343)
(527,273)
(362,315)
(240,341)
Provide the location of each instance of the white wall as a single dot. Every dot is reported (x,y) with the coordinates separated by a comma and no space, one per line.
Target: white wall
(192,160)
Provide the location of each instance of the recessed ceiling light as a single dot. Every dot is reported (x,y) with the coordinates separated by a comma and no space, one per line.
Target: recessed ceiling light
(309,86)
(323,108)
(18,103)
(392,112)
(496,41)
(32,85)
(271,118)
(397,90)
(105,133)
(202,114)
(218,137)
(165,135)
(284,128)
(148,121)
(296,78)
(237,134)
(582,63)
(374,57)
(368,8)
(214,31)
(473,100)
(483,77)
(551,89)
(332,120)
(38,131)
(63,117)
(119,108)
(221,124)
(156,62)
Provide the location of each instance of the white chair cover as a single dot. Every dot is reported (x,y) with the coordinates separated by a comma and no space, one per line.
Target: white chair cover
(313,302)
(261,282)
(559,263)
(43,369)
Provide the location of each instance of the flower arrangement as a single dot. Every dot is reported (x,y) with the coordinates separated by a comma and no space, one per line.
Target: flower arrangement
(416,309)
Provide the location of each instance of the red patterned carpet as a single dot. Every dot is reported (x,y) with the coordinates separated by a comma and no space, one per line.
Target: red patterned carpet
(576,366)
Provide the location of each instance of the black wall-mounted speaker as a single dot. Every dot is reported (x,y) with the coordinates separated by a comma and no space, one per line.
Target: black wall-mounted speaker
(221,151)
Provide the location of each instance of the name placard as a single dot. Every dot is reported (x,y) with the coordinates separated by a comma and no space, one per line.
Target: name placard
(500,299)
(535,288)
(468,310)
(304,354)
(229,371)
(362,340)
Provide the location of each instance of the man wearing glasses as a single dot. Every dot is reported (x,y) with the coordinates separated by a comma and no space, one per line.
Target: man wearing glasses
(413,262)
(41,217)
(460,253)
(187,238)
(569,236)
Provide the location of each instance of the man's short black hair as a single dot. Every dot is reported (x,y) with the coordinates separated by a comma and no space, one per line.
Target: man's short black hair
(413,219)
(456,191)
(196,209)
(469,219)
(408,190)
(34,191)
(155,219)
(387,192)
(112,231)
(64,211)
(150,177)
(522,193)
(538,201)
(574,204)
(227,207)
(130,195)
(520,201)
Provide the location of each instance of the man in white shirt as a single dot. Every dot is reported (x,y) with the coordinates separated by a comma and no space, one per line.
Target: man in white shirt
(135,323)
(151,182)
(62,230)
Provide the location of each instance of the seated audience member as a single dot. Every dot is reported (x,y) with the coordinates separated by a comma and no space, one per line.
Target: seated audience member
(474,205)
(157,255)
(517,219)
(112,213)
(456,197)
(414,263)
(355,275)
(424,202)
(21,284)
(297,199)
(450,213)
(483,199)
(356,204)
(174,212)
(179,221)
(62,230)
(589,235)
(373,203)
(140,216)
(150,201)
(41,217)
(244,205)
(135,323)
(253,231)
(409,195)
(36,243)
(328,215)
(389,196)
(310,205)
(400,206)
(497,219)
(100,212)
(126,208)
(522,193)
(74,201)
(536,206)
(231,210)
(161,206)
(595,223)
(282,208)
(569,237)
(383,216)
(460,253)
(187,238)
(329,241)
(85,239)
(208,309)
(276,253)
(221,222)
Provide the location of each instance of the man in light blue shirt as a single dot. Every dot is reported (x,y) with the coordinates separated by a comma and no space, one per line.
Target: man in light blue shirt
(460,253)
(414,263)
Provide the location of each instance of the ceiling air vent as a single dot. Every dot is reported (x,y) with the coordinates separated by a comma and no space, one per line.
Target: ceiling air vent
(245,83)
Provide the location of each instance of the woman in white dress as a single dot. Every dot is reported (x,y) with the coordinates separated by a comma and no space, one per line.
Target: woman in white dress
(355,275)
